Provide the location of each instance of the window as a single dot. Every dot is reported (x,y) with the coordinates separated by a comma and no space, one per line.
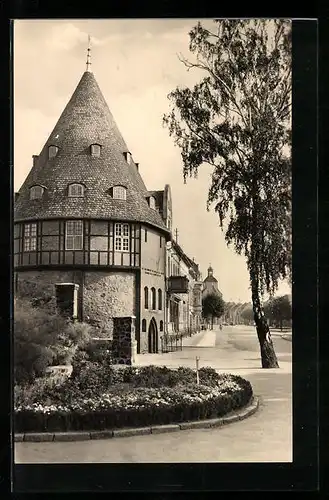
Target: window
(74,235)
(153,298)
(76,190)
(95,150)
(36,192)
(144,325)
(160,241)
(145,235)
(159,299)
(122,237)
(127,156)
(52,151)
(168,271)
(161,326)
(146,297)
(119,193)
(152,202)
(30,237)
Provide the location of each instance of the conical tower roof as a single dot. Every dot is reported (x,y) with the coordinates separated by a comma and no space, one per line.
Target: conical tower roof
(86,120)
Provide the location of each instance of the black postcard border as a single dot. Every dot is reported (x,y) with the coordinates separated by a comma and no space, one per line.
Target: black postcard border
(303,473)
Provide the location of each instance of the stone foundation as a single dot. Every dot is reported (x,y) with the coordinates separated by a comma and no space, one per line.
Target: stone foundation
(124,345)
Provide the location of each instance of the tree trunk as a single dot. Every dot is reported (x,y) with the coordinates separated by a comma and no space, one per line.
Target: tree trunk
(268,356)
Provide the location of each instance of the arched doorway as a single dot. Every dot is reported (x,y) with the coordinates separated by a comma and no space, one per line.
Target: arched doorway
(153,337)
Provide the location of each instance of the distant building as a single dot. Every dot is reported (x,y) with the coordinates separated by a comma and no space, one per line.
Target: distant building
(210,286)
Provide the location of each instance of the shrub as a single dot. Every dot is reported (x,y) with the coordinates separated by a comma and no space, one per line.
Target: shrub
(98,398)
(42,339)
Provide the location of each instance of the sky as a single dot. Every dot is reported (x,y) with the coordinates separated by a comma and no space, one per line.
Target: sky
(136,65)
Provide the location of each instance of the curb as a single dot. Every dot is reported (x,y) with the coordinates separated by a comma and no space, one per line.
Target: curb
(38,437)
(287,337)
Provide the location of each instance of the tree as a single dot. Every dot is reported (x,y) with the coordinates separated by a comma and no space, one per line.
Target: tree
(280,309)
(247,314)
(238,120)
(212,307)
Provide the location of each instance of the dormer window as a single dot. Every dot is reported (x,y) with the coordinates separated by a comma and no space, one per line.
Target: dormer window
(76,190)
(36,192)
(127,156)
(152,202)
(52,151)
(95,150)
(119,193)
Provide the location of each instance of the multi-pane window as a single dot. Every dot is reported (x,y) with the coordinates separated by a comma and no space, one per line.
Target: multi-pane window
(52,151)
(36,192)
(76,190)
(119,193)
(95,150)
(74,235)
(30,237)
(122,237)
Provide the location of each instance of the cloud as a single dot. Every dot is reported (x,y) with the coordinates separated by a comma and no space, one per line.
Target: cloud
(67,36)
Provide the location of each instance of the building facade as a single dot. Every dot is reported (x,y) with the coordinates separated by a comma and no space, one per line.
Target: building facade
(84,216)
(184,292)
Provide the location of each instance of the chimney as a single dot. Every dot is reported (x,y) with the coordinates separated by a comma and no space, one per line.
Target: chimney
(137,166)
(35,157)
(16,196)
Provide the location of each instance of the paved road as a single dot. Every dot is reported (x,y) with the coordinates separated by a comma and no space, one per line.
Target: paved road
(264,437)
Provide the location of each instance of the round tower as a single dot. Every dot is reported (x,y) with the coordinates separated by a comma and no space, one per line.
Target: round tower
(84,216)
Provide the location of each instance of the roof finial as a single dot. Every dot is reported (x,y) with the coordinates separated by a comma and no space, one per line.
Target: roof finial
(88,55)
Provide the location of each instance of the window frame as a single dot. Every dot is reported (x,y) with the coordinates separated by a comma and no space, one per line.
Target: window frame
(152,203)
(146,297)
(50,148)
(153,299)
(32,190)
(128,157)
(73,235)
(117,190)
(30,237)
(121,237)
(92,152)
(159,299)
(74,185)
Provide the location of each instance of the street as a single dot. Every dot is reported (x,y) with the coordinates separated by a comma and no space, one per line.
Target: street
(264,437)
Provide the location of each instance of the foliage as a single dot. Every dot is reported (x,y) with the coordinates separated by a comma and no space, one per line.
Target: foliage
(238,120)
(212,306)
(247,313)
(278,309)
(42,339)
(128,404)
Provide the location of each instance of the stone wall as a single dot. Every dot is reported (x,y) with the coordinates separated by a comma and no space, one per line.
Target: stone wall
(40,285)
(101,295)
(107,295)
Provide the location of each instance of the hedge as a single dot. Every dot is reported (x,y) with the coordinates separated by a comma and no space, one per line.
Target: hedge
(125,405)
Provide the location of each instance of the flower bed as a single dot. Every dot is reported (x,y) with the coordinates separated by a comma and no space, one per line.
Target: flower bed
(129,397)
